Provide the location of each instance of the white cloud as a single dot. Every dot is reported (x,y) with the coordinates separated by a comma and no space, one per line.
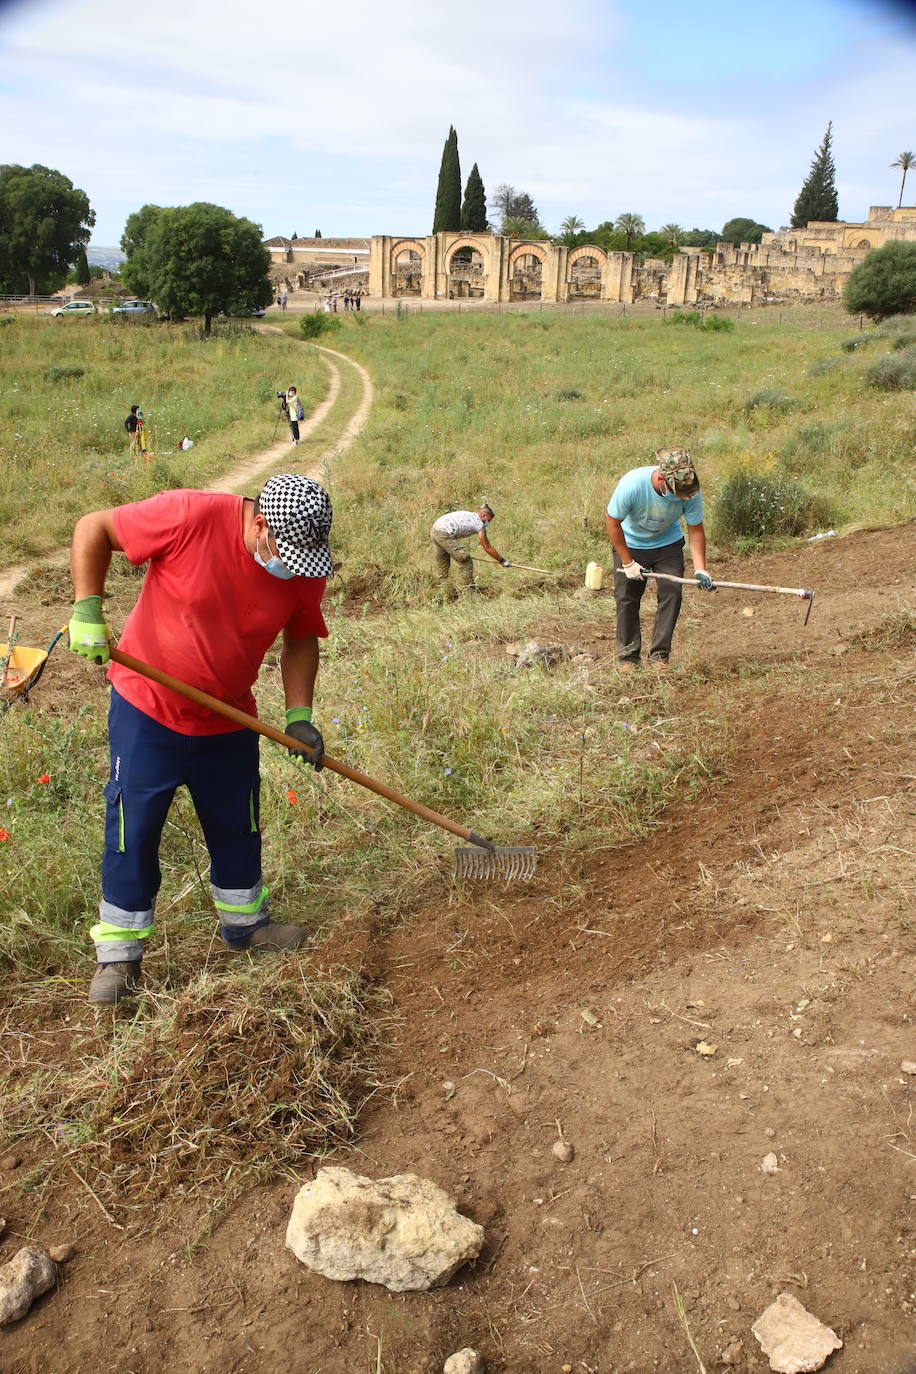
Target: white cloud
(342,123)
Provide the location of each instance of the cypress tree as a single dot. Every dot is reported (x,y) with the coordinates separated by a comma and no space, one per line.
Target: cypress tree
(817,199)
(448,193)
(474,209)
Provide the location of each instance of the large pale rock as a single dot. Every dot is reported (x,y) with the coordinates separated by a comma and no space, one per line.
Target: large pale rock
(537,654)
(795,1341)
(403,1231)
(465,1361)
(28,1274)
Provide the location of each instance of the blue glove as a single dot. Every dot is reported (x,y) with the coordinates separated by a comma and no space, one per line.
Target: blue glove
(299,725)
(704,580)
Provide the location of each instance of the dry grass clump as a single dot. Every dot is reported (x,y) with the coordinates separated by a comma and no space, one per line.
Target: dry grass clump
(896,631)
(241,1074)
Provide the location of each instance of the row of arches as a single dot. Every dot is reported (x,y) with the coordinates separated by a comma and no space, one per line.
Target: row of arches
(466,270)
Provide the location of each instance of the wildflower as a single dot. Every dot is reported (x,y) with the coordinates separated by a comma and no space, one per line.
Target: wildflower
(291,797)
(447,771)
(44,777)
(4,835)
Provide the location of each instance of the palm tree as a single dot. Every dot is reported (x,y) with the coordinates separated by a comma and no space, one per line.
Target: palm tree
(631,225)
(572,224)
(906,161)
(673,234)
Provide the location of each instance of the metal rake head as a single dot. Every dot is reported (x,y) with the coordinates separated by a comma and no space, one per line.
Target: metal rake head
(509,862)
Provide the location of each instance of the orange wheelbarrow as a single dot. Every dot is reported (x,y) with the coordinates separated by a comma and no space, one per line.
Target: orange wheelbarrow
(21,666)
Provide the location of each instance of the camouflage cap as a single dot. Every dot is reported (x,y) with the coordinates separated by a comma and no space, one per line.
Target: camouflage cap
(676,466)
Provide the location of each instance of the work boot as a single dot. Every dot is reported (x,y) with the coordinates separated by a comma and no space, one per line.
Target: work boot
(112,983)
(273,938)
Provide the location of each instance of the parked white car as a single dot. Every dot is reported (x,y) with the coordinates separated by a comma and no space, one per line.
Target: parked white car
(75,308)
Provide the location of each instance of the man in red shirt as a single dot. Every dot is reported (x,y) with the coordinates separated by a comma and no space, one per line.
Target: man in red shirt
(226,575)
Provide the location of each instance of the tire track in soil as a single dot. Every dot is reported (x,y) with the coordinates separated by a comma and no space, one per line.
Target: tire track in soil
(243,473)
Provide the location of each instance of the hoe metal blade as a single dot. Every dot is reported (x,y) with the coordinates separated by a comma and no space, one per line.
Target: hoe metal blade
(509,862)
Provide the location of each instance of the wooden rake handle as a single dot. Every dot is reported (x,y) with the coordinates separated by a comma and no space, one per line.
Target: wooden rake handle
(222,708)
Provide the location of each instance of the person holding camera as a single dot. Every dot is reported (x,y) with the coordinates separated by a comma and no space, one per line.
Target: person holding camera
(294,411)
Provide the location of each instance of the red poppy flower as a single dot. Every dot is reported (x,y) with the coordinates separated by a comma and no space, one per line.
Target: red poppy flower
(44,777)
(291,797)
(4,834)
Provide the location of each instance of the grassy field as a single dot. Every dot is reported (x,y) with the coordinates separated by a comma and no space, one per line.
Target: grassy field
(541,413)
(66,386)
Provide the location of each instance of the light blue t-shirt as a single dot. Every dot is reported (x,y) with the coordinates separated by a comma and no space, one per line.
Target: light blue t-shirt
(649,520)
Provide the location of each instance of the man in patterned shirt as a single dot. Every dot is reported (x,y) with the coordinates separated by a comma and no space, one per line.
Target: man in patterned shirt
(447,535)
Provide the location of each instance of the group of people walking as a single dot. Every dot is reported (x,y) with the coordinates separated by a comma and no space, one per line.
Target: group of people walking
(352,300)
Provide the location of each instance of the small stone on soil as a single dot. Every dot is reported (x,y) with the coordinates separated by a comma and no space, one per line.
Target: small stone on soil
(563,1151)
(60,1254)
(795,1341)
(770,1164)
(908,1066)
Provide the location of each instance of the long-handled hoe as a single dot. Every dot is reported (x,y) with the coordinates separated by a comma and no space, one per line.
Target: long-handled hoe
(484,860)
(805,593)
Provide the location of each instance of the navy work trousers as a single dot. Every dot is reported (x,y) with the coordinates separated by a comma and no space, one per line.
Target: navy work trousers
(149,763)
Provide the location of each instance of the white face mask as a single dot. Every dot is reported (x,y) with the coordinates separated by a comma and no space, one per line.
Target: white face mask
(274,565)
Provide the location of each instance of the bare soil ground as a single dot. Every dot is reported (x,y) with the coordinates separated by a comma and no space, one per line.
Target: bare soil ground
(771,921)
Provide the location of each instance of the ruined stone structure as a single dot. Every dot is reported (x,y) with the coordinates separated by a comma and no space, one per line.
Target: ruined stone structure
(807,264)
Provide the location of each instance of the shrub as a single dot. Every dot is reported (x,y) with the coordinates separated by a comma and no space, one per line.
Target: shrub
(894,373)
(62,374)
(700,321)
(316,324)
(822,367)
(752,505)
(884,284)
(904,341)
(859,340)
(776,402)
(569,394)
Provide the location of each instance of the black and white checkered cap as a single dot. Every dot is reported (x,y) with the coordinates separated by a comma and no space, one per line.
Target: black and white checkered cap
(299,513)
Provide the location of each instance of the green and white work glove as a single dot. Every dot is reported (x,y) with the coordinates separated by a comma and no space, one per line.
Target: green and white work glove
(634,571)
(506,562)
(299,725)
(702,578)
(88,631)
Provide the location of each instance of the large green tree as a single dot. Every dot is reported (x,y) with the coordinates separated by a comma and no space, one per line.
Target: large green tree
(45,223)
(885,283)
(198,260)
(817,199)
(743,231)
(448,193)
(474,207)
(135,272)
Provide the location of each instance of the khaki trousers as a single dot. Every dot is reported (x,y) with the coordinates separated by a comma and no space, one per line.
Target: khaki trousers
(446,551)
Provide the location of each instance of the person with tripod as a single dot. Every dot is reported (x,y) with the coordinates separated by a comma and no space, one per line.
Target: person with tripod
(294,412)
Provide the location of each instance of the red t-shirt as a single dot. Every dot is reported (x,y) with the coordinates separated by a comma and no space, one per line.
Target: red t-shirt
(207,613)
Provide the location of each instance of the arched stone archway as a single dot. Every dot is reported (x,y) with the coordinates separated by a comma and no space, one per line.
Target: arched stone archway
(408,267)
(584,268)
(526,271)
(465,270)
(865,243)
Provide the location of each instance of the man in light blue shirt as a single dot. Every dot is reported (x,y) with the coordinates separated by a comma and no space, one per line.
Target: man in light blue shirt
(644,525)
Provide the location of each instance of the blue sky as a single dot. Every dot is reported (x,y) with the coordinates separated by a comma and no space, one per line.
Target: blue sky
(671,111)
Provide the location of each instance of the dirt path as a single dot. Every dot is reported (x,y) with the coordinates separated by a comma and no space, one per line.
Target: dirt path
(768,918)
(243,474)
